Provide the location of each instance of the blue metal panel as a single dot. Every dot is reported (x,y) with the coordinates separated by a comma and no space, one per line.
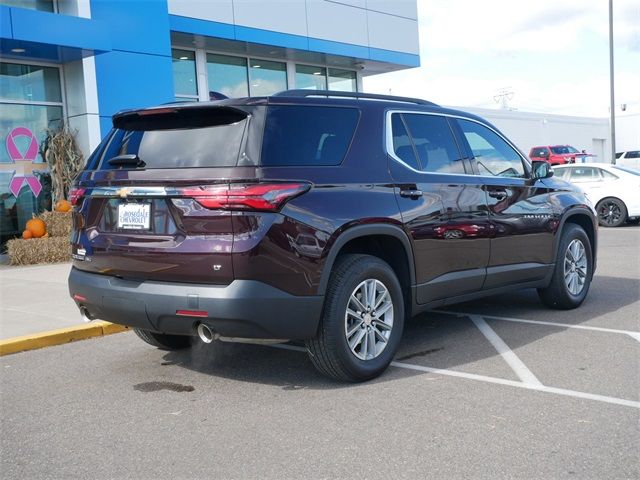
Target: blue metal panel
(338,48)
(132,80)
(105,125)
(201,27)
(61,30)
(5,22)
(135,25)
(389,56)
(266,37)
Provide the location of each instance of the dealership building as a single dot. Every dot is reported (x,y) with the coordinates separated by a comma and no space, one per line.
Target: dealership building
(81,61)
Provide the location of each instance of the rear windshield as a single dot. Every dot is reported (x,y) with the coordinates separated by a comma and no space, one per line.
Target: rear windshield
(211,140)
(307,135)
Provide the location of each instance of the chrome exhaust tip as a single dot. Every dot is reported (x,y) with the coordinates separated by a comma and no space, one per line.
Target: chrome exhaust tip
(205,333)
(85,315)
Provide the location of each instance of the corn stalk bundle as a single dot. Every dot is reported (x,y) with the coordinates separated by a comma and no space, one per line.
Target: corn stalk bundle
(60,151)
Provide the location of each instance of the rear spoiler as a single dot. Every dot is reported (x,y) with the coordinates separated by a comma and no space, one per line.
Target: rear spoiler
(172,117)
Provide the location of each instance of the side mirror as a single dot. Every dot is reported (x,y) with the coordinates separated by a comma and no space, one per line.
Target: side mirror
(541,169)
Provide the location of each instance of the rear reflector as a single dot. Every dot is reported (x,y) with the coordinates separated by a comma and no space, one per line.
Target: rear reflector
(192,313)
(75,194)
(79,298)
(261,196)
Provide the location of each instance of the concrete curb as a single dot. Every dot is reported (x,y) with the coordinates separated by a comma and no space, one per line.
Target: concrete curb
(34,341)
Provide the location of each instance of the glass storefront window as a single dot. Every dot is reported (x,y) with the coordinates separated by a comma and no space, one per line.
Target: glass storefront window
(31,103)
(267,77)
(311,78)
(44,5)
(29,83)
(227,75)
(184,73)
(342,80)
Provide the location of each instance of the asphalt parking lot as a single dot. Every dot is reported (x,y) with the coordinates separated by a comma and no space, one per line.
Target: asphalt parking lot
(497,388)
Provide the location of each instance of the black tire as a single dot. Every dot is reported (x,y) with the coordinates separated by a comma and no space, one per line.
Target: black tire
(329,350)
(558,294)
(612,212)
(164,341)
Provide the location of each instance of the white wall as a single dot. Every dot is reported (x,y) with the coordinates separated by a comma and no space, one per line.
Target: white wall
(628,132)
(385,24)
(527,129)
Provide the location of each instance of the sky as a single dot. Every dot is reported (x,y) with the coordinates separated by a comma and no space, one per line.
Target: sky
(550,56)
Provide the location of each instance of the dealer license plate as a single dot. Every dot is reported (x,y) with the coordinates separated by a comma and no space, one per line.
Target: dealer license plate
(134,216)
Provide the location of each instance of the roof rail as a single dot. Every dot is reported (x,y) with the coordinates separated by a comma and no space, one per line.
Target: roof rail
(356,95)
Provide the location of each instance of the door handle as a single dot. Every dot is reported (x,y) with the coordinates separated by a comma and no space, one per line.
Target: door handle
(415,194)
(499,194)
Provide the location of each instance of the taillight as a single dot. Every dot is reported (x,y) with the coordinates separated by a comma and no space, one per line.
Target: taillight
(75,194)
(268,197)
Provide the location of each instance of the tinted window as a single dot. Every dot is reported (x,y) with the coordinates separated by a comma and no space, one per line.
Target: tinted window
(633,154)
(539,152)
(561,173)
(296,135)
(434,142)
(493,155)
(178,139)
(402,146)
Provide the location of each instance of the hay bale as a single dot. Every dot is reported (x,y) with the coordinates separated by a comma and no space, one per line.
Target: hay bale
(39,250)
(58,223)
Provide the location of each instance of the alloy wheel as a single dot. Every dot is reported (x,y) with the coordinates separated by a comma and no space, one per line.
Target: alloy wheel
(368,320)
(609,213)
(575,267)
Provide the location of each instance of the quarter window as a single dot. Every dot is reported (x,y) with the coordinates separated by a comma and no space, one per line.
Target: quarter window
(494,157)
(307,136)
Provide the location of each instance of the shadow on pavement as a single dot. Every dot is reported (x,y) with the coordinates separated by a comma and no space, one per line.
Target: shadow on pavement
(432,339)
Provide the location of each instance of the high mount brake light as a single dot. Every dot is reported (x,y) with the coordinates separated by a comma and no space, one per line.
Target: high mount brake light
(267,197)
(75,194)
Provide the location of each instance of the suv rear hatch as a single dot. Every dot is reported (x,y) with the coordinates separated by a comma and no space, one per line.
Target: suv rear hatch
(157,196)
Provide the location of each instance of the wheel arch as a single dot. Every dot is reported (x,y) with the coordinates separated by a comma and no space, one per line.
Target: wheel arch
(584,218)
(381,240)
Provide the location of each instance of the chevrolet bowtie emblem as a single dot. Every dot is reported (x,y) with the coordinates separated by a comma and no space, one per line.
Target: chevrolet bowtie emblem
(123,192)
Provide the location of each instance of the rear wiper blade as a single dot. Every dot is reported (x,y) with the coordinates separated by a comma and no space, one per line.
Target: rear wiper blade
(128,159)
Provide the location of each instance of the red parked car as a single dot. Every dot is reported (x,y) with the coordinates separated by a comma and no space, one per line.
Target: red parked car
(557,154)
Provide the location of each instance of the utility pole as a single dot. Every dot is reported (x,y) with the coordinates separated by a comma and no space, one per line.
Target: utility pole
(612,106)
(503,97)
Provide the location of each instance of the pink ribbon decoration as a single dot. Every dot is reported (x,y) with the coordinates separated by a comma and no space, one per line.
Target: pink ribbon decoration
(17,181)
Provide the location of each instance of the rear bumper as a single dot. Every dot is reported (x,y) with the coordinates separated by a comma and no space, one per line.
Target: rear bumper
(244,308)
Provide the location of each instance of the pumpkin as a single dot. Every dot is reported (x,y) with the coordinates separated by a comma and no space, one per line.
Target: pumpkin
(27,234)
(37,227)
(63,206)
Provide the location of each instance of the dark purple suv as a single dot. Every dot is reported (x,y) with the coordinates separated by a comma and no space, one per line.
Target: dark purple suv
(325,217)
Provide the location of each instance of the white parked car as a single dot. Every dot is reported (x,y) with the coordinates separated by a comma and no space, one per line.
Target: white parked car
(613,189)
(630,158)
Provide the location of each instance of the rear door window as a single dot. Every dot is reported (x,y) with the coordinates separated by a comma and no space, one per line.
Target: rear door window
(435,143)
(425,143)
(307,135)
(585,174)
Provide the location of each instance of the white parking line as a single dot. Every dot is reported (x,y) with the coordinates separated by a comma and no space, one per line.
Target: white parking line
(527,386)
(632,334)
(498,381)
(505,352)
